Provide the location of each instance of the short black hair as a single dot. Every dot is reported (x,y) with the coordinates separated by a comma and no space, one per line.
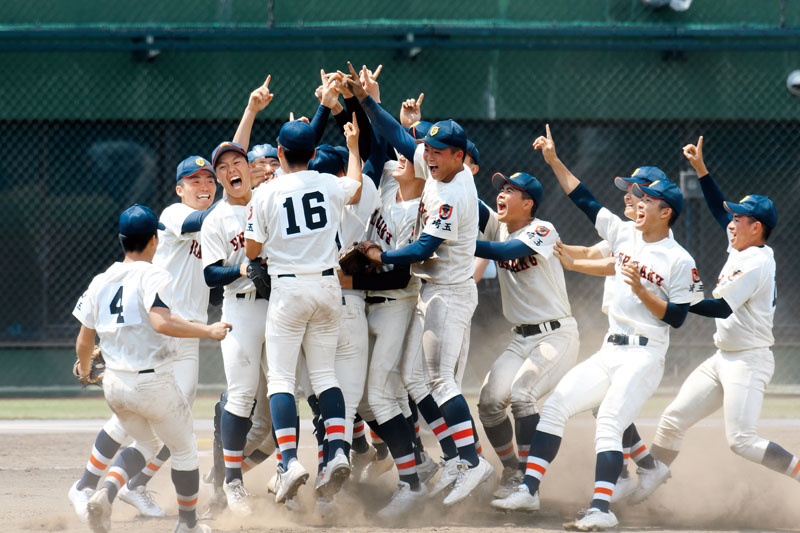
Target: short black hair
(454,149)
(526,196)
(673,215)
(298,157)
(765,231)
(135,243)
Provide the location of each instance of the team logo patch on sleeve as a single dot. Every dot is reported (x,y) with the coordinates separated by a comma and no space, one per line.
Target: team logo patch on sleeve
(445,211)
(542,231)
(250,216)
(695,275)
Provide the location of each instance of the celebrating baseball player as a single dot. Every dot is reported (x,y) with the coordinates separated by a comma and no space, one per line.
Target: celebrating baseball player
(655,282)
(743,305)
(179,253)
(127,307)
(535,300)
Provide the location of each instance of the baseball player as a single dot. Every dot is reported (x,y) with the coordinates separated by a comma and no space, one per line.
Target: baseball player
(656,281)
(743,305)
(442,256)
(127,307)
(264,164)
(294,220)
(179,254)
(535,300)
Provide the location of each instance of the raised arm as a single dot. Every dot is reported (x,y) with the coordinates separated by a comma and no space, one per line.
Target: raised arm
(259,99)
(351,134)
(711,191)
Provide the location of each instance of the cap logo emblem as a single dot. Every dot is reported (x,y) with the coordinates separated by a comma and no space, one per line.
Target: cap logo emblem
(200,162)
(515,174)
(654,183)
(744,199)
(434,130)
(635,172)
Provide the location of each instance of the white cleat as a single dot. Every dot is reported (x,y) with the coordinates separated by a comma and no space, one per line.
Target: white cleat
(336,473)
(238,498)
(320,481)
(468,479)
(181,527)
(142,499)
(80,499)
(649,481)
(593,520)
(623,489)
(99,511)
(448,476)
(272,484)
(519,500)
(289,482)
(403,501)
(427,468)
(510,479)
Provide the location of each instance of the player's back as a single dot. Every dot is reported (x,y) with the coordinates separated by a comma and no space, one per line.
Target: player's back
(117,305)
(300,214)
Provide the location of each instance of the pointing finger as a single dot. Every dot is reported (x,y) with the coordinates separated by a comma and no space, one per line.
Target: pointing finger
(700,143)
(419,100)
(291,115)
(377,72)
(269,78)
(352,70)
(547,128)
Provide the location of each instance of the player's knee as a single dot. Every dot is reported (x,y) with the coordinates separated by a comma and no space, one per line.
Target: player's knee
(185,458)
(114,429)
(148,449)
(522,407)
(742,443)
(239,405)
(554,413)
(491,408)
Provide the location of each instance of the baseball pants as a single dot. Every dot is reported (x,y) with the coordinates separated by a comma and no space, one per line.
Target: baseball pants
(304,311)
(152,409)
(438,340)
(526,371)
(351,361)
(260,435)
(735,381)
(388,323)
(242,352)
(617,380)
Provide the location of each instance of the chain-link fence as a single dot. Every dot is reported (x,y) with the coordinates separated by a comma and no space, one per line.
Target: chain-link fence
(99,104)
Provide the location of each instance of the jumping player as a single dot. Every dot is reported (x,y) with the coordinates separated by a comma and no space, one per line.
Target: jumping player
(743,305)
(127,307)
(656,281)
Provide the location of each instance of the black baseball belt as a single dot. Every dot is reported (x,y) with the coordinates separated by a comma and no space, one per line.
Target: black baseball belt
(328,272)
(377,299)
(526,330)
(624,340)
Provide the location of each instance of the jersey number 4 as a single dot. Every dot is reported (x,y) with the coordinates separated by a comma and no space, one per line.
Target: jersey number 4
(115,307)
(315,215)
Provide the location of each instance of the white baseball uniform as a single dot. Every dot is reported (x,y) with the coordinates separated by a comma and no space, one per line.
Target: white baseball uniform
(440,328)
(620,378)
(736,376)
(296,218)
(534,294)
(222,238)
(139,383)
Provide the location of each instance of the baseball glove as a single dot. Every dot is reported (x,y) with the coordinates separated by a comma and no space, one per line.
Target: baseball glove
(354,260)
(257,273)
(97,371)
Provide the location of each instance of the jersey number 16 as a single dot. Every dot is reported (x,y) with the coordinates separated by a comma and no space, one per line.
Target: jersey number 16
(315,214)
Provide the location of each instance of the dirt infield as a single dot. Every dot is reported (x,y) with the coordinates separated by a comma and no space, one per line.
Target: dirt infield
(711,489)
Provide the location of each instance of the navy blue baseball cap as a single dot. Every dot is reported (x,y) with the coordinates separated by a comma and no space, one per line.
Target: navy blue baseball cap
(473,152)
(522,181)
(297,135)
(759,207)
(663,190)
(192,165)
(262,150)
(642,176)
(445,134)
(328,159)
(138,220)
(227,146)
(419,130)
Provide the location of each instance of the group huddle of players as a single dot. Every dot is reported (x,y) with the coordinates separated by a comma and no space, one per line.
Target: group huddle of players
(380,349)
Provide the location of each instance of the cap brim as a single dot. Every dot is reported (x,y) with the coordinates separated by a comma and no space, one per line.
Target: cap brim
(207,167)
(736,209)
(430,141)
(639,191)
(499,180)
(230,148)
(622,182)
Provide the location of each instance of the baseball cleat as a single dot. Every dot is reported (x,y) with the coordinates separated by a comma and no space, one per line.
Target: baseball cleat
(510,479)
(80,499)
(649,481)
(99,509)
(519,500)
(142,499)
(448,476)
(336,473)
(360,461)
(290,481)
(238,497)
(623,489)
(272,484)
(320,480)
(468,479)
(403,501)
(181,527)
(593,520)
(427,468)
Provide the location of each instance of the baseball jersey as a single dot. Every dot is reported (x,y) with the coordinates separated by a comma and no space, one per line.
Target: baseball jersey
(448,211)
(117,305)
(532,287)
(180,255)
(666,269)
(392,226)
(747,284)
(222,238)
(297,217)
